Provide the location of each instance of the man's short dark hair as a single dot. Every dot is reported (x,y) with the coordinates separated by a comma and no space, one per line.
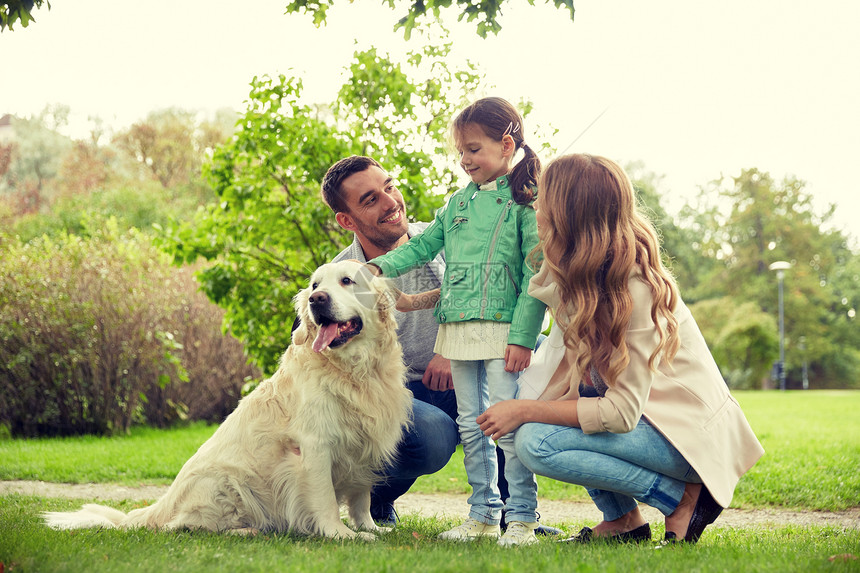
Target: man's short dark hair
(332,193)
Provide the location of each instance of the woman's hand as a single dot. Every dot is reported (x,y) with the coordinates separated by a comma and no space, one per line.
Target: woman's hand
(503,418)
(517,358)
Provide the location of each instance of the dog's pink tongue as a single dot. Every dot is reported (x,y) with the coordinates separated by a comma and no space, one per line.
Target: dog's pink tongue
(326,334)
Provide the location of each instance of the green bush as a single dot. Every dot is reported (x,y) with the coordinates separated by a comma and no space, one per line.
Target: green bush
(742,338)
(216,364)
(139,204)
(100,332)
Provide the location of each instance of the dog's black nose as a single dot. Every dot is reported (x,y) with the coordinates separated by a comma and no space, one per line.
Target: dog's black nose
(319,299)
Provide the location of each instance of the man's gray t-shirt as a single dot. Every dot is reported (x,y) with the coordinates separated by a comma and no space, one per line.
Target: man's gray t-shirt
(417,329)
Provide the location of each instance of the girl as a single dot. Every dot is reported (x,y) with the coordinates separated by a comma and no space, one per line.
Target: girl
(488,324)
(634,407)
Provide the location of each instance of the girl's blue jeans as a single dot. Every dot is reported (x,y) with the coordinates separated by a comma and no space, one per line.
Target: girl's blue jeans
(478,384)
(616,469)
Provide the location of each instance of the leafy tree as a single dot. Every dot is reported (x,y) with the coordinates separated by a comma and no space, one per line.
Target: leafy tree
(15,10)
(679,243)
(845,285)
(770,221)
(35,156)
(39,147)
(170,145)
(485,12)
(270,228)
(84,168)
(701,221)
(6,151)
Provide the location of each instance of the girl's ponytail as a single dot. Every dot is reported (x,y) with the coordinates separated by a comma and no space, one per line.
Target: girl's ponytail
(524,176)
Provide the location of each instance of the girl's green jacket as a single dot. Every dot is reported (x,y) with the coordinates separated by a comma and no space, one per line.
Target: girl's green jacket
(486,237)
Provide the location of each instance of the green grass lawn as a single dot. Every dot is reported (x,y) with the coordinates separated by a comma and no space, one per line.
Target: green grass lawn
(811,440)
(812,461)
(27,545)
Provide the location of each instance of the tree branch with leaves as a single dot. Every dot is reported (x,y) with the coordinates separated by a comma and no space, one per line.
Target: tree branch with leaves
(485,13)
(19,11)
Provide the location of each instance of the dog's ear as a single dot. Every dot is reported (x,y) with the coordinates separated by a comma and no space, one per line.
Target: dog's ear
(386,298)
(302,332)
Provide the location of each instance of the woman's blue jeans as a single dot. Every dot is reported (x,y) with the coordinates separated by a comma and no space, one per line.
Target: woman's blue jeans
(478,384)
(616,469)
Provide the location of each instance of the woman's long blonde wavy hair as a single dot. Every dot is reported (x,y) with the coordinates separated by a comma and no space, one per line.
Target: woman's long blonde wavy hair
(592,238)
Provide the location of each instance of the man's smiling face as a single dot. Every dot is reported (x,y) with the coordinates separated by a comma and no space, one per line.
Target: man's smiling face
(376,211)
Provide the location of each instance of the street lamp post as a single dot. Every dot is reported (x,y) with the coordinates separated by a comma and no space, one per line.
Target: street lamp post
(780,267)
(805,378)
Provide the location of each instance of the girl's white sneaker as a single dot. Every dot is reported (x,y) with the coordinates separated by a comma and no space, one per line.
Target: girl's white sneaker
(471,529)
(519,533)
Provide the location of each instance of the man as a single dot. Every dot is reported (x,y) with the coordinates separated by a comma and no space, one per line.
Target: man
(366,201)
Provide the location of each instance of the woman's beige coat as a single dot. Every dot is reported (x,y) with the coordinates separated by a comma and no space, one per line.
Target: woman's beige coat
(687,400)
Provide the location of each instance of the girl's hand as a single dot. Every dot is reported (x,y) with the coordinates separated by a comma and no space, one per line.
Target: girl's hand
(371,268)
(404,301)
(517,358)
(419,301)
(502,418)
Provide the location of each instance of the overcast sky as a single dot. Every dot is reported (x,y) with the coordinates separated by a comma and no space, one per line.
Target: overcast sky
(693,89)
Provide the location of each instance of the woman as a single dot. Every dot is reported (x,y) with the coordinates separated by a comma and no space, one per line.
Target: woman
(634,407)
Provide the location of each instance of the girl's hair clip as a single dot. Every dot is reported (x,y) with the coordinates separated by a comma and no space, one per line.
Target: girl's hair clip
(511,129)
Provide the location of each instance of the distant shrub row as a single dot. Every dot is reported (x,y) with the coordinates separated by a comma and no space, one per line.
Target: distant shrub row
(101,332)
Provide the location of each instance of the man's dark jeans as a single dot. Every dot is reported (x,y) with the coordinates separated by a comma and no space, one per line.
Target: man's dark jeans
(426,448)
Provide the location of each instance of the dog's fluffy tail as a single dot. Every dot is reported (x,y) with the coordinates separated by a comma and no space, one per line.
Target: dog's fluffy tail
(90,515)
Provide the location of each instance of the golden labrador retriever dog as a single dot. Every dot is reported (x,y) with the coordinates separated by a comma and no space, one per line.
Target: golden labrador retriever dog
(312,437)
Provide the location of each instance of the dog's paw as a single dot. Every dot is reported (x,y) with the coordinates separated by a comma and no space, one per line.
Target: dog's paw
(249,531)
(371,527)
(365,536)
(382,529)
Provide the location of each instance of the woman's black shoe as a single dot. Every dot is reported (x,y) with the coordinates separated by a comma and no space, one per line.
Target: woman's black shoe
(705,513)
(586,535)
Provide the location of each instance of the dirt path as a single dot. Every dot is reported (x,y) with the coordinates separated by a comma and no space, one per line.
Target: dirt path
(565,514)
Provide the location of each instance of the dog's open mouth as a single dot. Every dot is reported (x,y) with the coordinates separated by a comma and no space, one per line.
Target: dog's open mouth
(334,334)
